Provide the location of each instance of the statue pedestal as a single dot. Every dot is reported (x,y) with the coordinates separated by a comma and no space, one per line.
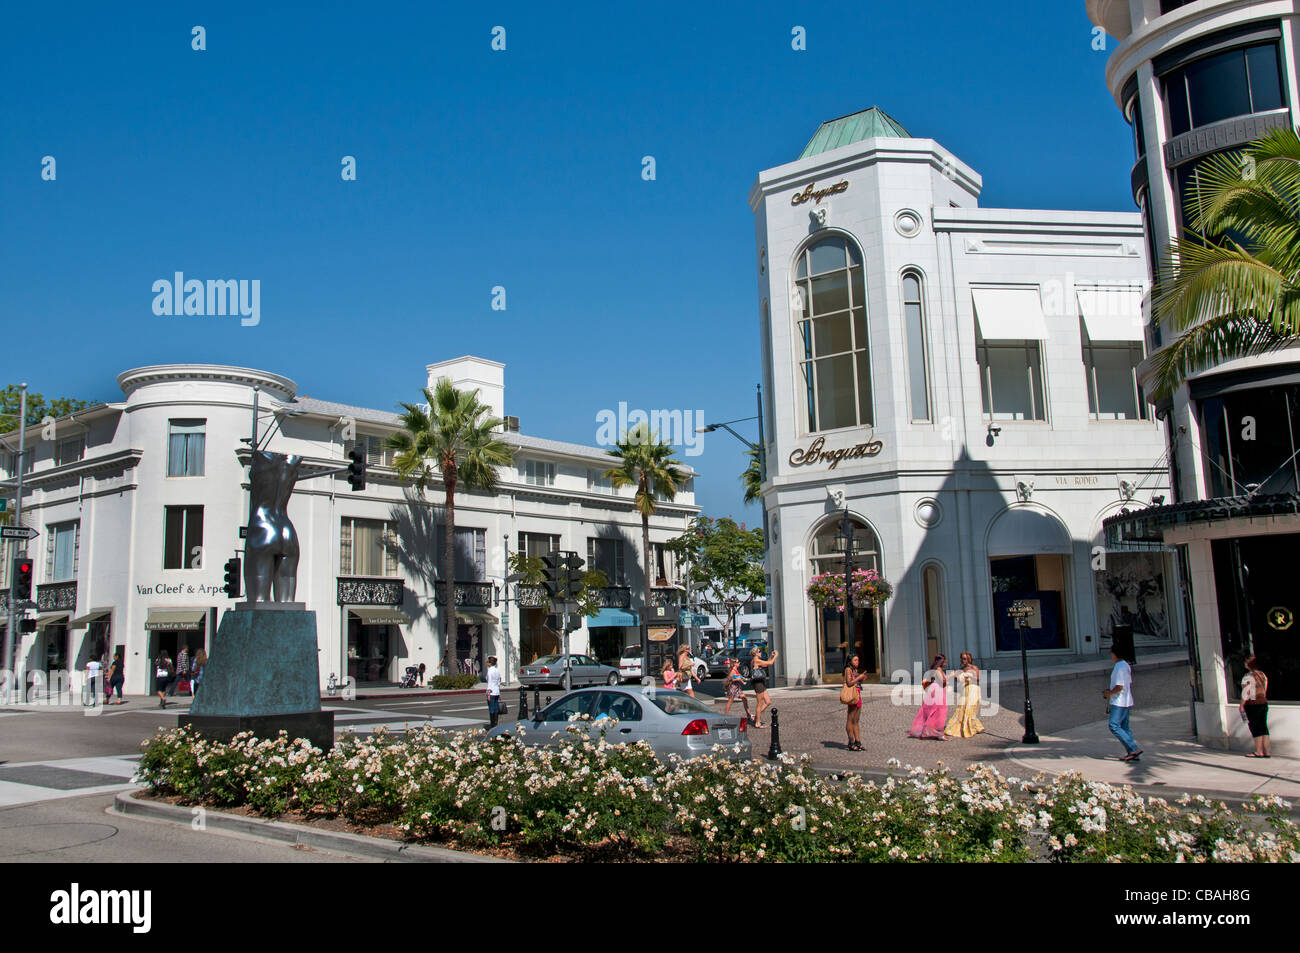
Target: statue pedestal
(263,675)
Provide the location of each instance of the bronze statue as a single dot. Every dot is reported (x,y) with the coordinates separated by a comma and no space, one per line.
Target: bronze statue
(271,548)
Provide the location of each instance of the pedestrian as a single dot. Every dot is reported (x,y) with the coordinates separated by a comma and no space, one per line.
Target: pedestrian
(851,697)
(493,691)
(162,671)
(758,677)
(421,673)
(965,721)
(933,716)
(93,669)
(735,687)
(669,675)
(685,675)
(1120,695)
(196,671)
(116,675)
(1254,706)
(181,671)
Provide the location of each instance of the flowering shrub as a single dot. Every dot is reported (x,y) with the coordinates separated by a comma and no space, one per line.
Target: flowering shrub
(595,799)
(869,588)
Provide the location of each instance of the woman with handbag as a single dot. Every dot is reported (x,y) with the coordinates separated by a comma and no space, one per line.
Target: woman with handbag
(851,696)
(758,667)
(684,673)
(1254,706)
(162,673)
(736,687)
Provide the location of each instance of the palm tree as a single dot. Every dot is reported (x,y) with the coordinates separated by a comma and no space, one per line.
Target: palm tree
(455,435)
(1232,287)
(647,464)
(752,478)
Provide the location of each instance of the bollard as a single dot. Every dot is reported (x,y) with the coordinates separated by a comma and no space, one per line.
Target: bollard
(523,703)
(774,749)
(537,701)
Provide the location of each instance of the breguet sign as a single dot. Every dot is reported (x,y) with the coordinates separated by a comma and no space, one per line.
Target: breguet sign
(812,192)
(816,452)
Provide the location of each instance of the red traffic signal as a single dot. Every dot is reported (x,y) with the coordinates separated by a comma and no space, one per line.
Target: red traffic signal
(22,578)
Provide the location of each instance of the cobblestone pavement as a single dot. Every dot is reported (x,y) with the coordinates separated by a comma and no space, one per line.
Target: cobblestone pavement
(812,721)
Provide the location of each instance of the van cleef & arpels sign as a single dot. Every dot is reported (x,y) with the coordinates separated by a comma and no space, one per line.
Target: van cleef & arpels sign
(816,453)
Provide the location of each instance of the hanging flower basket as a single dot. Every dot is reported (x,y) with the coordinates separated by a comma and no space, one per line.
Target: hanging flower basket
(869,589)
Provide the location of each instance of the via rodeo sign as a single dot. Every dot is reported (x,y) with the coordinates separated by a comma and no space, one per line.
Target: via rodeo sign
(816,453)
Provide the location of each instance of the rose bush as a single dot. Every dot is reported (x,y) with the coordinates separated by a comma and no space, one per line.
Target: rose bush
(591,799)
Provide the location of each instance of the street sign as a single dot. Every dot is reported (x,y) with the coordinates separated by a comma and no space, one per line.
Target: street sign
(18,532)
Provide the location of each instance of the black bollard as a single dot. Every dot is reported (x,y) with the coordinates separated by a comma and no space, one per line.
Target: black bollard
(523,703)
(774,749)
(537,702)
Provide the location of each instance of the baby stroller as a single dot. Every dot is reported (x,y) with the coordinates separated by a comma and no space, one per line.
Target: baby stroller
(408,679)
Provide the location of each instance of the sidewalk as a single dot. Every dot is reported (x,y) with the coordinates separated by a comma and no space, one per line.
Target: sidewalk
(1171,758)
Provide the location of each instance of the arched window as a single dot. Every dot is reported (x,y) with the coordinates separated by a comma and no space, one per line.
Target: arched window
(918,359)
(830,308)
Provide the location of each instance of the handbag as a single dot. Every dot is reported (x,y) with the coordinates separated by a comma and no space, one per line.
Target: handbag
(848,696)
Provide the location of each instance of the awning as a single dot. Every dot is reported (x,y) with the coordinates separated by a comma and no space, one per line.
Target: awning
(611,618)
(50,618)
(382,615)
(1111,314)
(475,615)
(1009,314)
(1025,532)
(94,615)
(182,620)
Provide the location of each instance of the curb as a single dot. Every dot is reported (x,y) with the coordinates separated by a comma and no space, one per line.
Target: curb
(300,835)
(433,693)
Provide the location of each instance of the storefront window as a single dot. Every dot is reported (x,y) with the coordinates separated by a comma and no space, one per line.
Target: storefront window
(1252,441)
(1255,581)
(1038,581)
(830,310)
(1130,592)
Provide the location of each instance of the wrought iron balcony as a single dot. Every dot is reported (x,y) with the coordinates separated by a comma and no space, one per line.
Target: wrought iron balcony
(615,597)
(469,595)
(667,596)
(57,597)
(530,595)
(370,591)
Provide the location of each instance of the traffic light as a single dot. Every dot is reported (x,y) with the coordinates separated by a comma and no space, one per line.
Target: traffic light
(22,578)
(357,469)
(572,577)
(232,578)
(553,562)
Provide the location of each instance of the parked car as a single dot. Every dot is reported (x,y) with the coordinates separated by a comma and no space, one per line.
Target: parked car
(719,664)
(584,670)
(671,722)
(630,665)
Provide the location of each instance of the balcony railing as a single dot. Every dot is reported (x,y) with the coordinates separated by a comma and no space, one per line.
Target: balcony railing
(667,596)
(616,597)
(469,595)
(57,597)
(532,596)
(370,591)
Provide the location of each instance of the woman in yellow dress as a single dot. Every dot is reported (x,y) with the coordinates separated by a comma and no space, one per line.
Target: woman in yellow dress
(965,721)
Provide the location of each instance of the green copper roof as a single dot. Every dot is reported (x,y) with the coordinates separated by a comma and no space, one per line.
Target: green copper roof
(867,124)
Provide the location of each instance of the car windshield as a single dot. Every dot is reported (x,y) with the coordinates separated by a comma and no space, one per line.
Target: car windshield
(676,703)
(548,660)
(632,651)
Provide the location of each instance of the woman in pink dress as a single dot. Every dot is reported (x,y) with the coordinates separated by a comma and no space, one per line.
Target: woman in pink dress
(933,716)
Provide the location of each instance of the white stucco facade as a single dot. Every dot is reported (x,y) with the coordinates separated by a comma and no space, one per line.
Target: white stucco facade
(939,487)
(111,506)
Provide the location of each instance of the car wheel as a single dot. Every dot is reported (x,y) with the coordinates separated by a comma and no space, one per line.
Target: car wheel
(612,680)
(702,673)
(744,671)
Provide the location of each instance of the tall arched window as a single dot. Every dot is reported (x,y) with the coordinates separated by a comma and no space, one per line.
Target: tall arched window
(917,359)
(831,311)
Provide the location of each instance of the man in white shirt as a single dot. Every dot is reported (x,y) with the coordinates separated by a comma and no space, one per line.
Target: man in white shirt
(493,691)
(1121,704)
(92,680)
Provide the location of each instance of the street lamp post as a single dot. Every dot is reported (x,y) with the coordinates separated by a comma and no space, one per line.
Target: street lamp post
(1021,611)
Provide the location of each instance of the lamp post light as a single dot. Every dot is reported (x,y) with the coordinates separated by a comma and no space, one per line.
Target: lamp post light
(848,542)
(1020,612)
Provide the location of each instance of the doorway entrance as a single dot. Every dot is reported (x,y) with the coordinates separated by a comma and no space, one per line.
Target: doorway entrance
(827,556)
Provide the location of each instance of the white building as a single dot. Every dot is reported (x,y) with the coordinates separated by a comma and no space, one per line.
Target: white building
(962,381)
(139,504)
(1196,79)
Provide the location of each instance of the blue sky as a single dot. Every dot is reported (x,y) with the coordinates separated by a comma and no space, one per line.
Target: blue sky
(477,169)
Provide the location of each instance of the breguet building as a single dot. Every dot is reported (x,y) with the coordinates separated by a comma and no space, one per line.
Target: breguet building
(961,383)
(139,504)
(1196,79)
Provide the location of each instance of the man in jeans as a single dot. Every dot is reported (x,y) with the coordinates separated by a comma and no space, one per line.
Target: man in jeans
(1120,695)
(493,691)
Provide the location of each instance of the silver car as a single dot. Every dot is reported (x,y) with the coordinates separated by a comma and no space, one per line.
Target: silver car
(585,670)
(672,722)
